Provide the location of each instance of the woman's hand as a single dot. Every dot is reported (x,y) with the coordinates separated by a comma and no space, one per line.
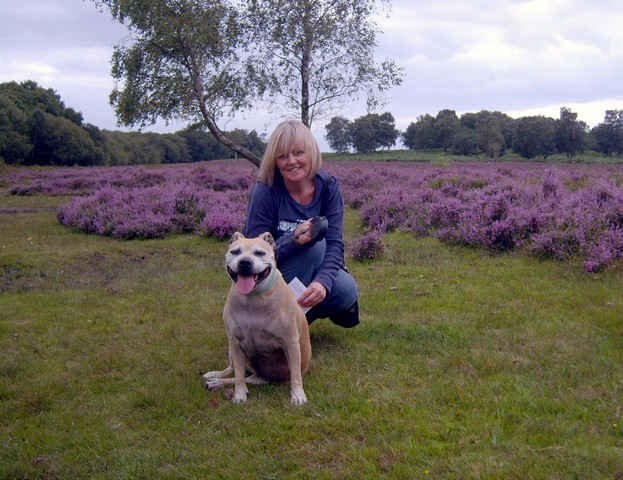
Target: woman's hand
(311,230)
(313,295)
(302,233)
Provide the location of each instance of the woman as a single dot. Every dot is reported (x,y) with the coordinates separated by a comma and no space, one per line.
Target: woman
(301,206)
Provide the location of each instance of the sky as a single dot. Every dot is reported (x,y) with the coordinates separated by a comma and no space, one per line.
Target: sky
(516,56)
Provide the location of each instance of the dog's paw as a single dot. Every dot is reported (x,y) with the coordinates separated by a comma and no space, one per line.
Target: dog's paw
(240,396)
(211,375)
(298,397)
(213,384)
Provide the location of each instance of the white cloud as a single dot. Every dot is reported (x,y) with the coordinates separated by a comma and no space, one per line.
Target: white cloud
(78,66)
(491,51)
(591,112)
(25,69)
(512,56)
(520,57)
(32,11)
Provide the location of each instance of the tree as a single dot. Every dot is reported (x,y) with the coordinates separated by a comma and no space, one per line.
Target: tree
(614,118)
(571,133)
(250,140)
(535,135)
(507,127)
(202,145)
(187,60)
(464,142)
(447,125)
(59,141)
(386,133)
(492,125)
(339,134)
(201,60)
(363,133)
(18,103)
(320,52)
(469,120)
(15,146)
(489,133)
(608,135)
(420,134)
(373,131)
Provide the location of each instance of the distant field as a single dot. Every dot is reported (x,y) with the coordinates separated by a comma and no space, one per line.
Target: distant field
(443,158)
(469,363)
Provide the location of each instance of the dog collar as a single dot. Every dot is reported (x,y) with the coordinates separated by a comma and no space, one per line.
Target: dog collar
(267,284)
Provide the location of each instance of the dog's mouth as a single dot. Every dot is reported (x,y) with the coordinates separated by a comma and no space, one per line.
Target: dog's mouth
(246,283)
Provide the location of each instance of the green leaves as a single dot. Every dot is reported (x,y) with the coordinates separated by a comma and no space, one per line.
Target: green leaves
(320,53)
(201,60)
(186,60)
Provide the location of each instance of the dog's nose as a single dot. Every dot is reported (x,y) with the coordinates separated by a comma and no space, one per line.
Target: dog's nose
(245,267)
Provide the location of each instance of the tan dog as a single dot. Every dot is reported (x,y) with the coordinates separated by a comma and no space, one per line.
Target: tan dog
(266,329)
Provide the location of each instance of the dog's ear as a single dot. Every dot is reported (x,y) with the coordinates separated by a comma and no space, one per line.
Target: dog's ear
(235,237)
(268,238)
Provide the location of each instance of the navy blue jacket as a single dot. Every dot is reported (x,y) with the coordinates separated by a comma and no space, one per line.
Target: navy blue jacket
(272,209)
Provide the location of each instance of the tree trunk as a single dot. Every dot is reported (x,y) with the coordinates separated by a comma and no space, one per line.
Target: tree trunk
(305,64)
(217,132)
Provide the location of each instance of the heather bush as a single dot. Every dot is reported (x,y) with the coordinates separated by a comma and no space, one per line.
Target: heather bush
(607,249)
(153,212)
(367,246)
(551,211)
(562,212)
(119,213)
(216,175)
(224,214)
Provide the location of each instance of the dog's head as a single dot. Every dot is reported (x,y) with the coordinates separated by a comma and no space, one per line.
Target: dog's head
(250,261)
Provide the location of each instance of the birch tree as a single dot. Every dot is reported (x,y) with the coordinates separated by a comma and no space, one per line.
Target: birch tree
(203,60)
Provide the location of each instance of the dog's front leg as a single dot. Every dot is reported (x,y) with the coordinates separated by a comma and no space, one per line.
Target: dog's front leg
(218,378)
(297,394)
(216,374)
(238,362)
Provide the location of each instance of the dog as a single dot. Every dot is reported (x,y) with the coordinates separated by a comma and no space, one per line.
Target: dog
(267,330)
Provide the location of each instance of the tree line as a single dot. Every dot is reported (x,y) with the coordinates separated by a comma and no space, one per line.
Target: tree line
(484,132)
(37,128)
(201,61)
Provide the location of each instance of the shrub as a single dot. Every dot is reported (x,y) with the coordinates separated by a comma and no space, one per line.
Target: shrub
(367,246)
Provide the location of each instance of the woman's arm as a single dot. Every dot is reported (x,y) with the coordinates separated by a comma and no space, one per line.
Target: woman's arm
(333,209)
(260,212)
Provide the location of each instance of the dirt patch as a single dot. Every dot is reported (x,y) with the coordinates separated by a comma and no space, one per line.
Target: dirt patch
(13,210)
(100,270)
(20,277)
(81,272)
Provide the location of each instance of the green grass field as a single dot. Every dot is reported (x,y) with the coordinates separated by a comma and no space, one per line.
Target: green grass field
(444,158)
(465,366)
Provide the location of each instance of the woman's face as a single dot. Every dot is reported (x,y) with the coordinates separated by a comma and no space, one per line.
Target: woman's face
(295,165)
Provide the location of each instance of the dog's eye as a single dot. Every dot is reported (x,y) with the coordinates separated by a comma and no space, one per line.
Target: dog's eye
(235,251)
(259,253)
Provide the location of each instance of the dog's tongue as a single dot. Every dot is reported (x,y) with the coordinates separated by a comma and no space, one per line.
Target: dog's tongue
(245,284)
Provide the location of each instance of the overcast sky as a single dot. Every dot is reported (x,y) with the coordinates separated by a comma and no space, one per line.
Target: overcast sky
(518,57)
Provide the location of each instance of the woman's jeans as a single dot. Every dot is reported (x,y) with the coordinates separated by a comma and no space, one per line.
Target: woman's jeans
(304,264)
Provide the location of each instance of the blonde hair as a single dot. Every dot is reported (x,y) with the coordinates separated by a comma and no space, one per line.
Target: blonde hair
(285,136)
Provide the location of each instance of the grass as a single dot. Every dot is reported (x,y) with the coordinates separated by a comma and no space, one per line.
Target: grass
(440,157)
(466,365)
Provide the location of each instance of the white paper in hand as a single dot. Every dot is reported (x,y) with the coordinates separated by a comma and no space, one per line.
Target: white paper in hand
(298,288)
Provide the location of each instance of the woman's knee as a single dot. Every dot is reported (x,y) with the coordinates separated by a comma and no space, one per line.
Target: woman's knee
(344,291)
(341,302)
